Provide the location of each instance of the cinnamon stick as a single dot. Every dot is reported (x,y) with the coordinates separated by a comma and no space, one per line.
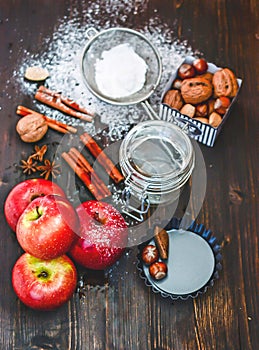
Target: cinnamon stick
(69,102)
(102,158)
(54,124)
(84,164)
(85,177)
(54,100)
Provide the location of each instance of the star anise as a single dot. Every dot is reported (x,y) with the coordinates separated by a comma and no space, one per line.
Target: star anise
(29,166)
(49,168)
(39,152)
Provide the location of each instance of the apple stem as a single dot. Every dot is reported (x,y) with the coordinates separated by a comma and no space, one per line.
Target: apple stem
(99,218)
(43,274)
(38,211)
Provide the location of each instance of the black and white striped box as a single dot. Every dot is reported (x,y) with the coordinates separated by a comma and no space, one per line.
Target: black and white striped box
(207,134)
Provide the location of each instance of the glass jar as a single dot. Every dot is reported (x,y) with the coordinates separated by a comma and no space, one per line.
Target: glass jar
(157,159)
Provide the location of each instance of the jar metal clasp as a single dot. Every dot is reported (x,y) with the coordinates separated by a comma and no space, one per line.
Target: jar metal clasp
(130,210)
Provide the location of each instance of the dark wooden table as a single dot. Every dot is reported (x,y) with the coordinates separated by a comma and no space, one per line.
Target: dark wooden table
(118,310)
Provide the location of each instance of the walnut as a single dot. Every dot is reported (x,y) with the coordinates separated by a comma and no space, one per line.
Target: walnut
(196,90)
(207,76)
(173,99)
(225,83)
(31,128)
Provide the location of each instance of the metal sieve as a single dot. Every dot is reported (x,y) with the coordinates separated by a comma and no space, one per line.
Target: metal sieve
(106,40)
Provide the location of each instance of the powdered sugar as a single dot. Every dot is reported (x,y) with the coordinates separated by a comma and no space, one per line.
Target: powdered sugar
(120,72)
(61,55)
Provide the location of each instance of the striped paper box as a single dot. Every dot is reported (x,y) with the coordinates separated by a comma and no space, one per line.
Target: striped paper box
(208,133)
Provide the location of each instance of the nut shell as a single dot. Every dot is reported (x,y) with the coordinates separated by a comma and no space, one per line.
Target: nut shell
(225,83)
(188,110)
(150,254)
(158,270)
(196,90)
(31,128)
(173,99)
(215,119)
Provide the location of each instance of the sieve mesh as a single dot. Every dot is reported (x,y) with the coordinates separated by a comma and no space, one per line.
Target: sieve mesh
(107,40)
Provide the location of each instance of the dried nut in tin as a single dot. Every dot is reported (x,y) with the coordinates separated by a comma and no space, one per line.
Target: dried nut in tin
(186,71)
(225,83)
(196,90)
(162,241)
(202,120)
(188,110)
(177,84)
(31,128)
(200,65)
(207,76)
(215,119)
(173,99)
(158,270)
(201,110)
(150,254)
(211,104)
(221,104)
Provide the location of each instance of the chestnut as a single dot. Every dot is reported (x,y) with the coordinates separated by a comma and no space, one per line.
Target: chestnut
(186,71)
(158,270)
(150,254)
(200,65)
(221,104)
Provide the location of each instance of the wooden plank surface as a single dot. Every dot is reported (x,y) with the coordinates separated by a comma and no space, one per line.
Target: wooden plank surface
(117,310)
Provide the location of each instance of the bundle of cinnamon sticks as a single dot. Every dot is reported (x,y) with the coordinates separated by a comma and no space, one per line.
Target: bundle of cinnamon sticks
(85,171)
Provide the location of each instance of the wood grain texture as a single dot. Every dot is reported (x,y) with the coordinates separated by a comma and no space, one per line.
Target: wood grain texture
(115,309)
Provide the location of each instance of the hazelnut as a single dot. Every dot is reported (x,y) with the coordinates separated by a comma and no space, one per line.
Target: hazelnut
(215,119)
(221,104)
(202,120)
(158,270)
(186,71)
(201,110)
(150,254)
(188,110)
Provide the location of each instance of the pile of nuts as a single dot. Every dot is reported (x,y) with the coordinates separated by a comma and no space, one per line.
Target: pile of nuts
(200,94)
(152,254)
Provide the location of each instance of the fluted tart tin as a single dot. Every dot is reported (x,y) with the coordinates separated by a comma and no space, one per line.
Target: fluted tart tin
(193,264)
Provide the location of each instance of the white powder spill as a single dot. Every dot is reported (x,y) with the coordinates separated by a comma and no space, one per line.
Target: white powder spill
(60,54)
(120,72)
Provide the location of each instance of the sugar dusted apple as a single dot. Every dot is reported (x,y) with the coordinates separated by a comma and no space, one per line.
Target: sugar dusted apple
(103,235)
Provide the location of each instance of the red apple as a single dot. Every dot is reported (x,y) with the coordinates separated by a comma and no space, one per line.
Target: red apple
(46,228)
(23,193)
(44,284)
(103,235)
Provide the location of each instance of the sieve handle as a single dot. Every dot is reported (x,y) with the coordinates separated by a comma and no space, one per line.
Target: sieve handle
(91,32)
(149,110)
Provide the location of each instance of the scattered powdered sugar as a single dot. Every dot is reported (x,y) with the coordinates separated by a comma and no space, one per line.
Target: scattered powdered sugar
(61,55)
(120,72)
